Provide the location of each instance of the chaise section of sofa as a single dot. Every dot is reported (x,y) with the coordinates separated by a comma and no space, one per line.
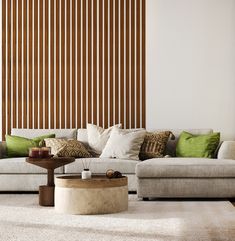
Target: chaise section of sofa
(186,177)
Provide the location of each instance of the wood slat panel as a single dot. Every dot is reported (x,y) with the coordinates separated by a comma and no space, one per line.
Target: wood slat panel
(69,62)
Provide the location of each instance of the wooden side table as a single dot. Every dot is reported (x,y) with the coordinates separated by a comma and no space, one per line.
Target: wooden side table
(46,192)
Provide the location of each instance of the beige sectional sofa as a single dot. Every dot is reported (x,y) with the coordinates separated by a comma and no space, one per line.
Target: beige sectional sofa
(162,177)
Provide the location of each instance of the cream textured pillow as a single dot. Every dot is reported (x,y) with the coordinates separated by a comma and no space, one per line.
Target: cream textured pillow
(67,148)
(98,137)
(124,144)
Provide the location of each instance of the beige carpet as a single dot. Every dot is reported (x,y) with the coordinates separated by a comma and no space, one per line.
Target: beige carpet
(22,219)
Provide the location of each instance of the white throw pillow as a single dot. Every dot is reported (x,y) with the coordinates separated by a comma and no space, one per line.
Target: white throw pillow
(98,137)
(124,144)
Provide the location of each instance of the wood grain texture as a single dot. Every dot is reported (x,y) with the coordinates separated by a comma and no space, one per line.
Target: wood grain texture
(52,65)
(79,68)
(36,67)
(69,62)
(68,79)
(57,66)
(47,85)
(84,43)
(4,65)
(116,61)
(100,98)
(41,77)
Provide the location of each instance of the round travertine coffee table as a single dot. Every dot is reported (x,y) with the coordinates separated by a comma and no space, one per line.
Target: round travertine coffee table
(98,195)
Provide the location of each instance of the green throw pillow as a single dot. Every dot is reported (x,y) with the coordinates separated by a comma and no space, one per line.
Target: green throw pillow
(19,146)
(190,145)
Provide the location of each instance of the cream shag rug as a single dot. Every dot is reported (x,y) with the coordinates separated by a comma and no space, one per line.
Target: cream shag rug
(21,219)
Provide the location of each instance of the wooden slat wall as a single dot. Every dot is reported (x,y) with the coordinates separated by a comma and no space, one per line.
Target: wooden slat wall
(69,62)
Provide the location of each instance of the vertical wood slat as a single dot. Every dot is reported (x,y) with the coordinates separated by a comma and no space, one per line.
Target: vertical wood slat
(79,108)
(143,63)
(57,66)
(67,79)
(127,66)
(41,86)
(4,64)
(132,64)
(62,89)
(73,65)
(84,63)
(122,61)
(106,124)
(46,47)
(30,64)
(25,63)
(113,87)
(8,66)
(111,62)
(19,63)
(94,61)
(89,87)
(36,83)
(14,116)
(52,60)
(116,61)
(100,62)
(137,111)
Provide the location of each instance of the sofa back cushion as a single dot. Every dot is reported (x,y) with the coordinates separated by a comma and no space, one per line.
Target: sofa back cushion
(32,133)
(171,144)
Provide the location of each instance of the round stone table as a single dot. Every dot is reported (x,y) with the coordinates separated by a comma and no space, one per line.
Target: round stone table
(98,195)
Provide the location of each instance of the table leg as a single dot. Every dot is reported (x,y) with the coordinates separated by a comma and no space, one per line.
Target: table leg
(50,177)
(46,192)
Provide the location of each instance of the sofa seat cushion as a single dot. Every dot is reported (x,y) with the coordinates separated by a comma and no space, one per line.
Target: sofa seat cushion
(185,167)
(101,165)
(20,166)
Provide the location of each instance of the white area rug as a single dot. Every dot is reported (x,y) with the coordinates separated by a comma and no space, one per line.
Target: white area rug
(21,219)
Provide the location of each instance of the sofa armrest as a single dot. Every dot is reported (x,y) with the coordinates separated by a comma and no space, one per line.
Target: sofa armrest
(2,149)
(227,150)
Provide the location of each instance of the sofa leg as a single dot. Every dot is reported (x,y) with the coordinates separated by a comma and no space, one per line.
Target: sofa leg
(145,199)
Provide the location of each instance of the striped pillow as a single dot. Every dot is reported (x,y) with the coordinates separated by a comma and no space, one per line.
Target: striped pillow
(154,144)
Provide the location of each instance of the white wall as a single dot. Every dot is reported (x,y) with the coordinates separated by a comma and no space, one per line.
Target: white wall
(191,64)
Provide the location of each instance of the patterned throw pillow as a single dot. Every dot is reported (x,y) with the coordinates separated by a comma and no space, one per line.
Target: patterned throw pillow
(154,144)
(67,148)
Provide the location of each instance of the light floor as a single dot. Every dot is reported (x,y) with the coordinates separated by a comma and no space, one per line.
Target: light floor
(22,219)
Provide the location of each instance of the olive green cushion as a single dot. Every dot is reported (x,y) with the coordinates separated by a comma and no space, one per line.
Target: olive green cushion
(18,146)
(190,145)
